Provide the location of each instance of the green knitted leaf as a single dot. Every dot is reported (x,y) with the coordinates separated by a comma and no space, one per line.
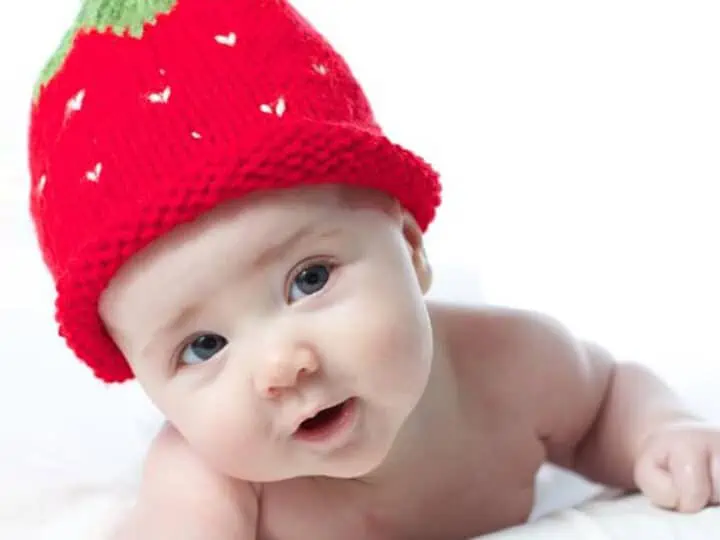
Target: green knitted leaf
(119,16)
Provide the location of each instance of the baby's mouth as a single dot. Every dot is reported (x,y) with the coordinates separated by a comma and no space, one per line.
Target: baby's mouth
(325,422)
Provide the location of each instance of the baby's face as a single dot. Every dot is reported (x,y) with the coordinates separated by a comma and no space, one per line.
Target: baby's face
(246,323)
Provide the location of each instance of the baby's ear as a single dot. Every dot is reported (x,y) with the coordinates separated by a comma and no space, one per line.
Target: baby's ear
(414,238)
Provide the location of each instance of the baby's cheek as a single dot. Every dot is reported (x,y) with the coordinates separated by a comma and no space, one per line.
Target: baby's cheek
(224,437)
(237,453)
(397,347)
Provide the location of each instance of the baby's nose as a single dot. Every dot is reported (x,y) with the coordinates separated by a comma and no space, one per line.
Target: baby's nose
(286,370)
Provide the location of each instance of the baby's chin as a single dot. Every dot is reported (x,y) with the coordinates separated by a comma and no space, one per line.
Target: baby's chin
(359,469)
(353,465)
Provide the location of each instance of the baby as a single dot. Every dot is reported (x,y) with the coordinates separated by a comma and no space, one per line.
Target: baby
(225,222)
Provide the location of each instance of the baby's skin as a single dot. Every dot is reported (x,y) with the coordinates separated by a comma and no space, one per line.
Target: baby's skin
(312,392)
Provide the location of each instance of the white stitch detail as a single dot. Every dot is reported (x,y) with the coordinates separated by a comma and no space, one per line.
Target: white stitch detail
(75,103)
(230,40)
(195,135)
(278,108)
(320,68)
(41,183)
(94,175)
(160,97)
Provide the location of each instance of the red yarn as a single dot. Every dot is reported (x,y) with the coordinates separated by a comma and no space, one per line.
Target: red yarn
(219,98)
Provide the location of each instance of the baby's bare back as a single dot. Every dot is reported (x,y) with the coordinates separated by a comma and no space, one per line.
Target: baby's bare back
(480,481)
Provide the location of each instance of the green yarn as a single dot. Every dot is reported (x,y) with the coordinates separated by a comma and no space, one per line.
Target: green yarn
(121,15)
(118,16)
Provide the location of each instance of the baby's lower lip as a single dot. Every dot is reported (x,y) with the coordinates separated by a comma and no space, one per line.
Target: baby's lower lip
(338,419)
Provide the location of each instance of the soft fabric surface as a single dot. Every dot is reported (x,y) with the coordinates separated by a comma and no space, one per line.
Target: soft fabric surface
(629,518)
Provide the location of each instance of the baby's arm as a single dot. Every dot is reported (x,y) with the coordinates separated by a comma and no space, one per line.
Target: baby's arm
(182,499)
(616,423)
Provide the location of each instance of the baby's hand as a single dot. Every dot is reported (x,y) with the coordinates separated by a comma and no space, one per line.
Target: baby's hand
(679,466)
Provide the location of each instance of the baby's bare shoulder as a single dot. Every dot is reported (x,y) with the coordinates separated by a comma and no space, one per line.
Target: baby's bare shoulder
(499,333)
(180,497)
(530,362)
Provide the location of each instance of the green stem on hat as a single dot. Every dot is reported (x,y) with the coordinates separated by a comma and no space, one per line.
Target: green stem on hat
(119,16)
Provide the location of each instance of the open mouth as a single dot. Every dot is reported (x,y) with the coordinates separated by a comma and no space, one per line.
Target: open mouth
(326,422)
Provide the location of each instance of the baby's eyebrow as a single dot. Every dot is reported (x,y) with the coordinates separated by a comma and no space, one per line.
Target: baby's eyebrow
(276,251)
(183,318)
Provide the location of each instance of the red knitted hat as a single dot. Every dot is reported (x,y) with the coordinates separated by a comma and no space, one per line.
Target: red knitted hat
(154,111)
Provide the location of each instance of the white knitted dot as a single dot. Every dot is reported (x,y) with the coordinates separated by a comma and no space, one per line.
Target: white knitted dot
(160,97)
(320,68)
(75,103)
(94,175)
(42,182)
(280,107)
(195,135)
(277,108)
(228,40)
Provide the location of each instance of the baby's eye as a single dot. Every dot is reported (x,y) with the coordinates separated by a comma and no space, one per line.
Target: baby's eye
(309,280)
(203,348)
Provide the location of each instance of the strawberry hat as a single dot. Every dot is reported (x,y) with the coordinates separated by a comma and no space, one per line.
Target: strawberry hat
(152,112)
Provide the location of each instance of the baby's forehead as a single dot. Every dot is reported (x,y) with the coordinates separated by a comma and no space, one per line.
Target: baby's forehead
(271,214)
(249,227)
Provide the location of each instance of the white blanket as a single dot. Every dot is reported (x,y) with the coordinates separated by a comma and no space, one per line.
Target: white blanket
(628,518)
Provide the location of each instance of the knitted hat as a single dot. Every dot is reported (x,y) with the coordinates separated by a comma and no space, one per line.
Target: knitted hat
(152,112)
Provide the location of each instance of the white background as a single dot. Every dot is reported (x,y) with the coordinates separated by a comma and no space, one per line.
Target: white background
(579,143)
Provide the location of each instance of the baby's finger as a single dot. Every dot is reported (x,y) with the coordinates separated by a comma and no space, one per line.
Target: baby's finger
(691,473)
(656,482)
